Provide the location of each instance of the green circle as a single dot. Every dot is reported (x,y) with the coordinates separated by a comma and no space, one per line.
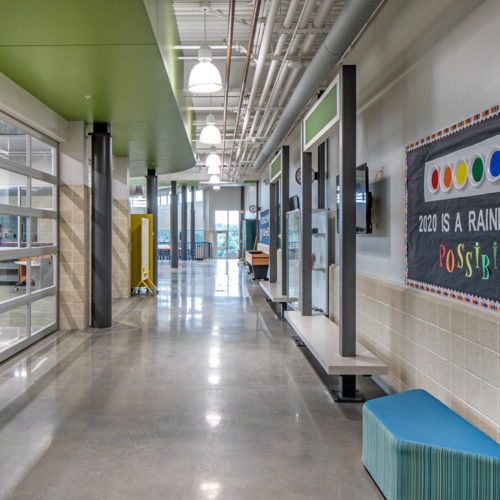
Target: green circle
(477,169)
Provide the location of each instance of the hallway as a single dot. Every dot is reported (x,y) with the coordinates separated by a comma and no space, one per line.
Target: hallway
(197,393)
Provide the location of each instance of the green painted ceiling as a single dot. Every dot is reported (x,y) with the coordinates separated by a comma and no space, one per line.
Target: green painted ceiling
(62,50)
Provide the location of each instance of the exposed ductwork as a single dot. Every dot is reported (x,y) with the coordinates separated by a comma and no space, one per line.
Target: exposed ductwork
(351,20)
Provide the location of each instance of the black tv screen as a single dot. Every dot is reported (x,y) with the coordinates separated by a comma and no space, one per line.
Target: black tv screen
(293,203)
(363,201)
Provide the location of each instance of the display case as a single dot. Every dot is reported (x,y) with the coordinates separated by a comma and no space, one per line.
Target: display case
(319,260)
(293,258)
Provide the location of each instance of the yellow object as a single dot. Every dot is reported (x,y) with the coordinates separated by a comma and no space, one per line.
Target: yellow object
(461,173)
(136,271)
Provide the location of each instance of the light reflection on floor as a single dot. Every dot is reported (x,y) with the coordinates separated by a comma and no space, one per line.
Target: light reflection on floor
(188,395)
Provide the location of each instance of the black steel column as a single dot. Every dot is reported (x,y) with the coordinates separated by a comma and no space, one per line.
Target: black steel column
(184,223)
(174,226)
(192,223)
(305,234)
(102,226)
(285,162)
(242,216)
(347,216)
(322,156)
(273,232)
(152,201)
(257,214)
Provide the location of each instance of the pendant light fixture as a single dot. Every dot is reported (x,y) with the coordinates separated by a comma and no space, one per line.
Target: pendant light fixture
(214,179)
(204,77)
(213,162)
(210,134)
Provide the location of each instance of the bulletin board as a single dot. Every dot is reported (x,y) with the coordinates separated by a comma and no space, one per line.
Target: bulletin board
(452,211)
(264,227)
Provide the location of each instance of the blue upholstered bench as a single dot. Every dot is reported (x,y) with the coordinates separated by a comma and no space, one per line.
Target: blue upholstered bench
(416,448)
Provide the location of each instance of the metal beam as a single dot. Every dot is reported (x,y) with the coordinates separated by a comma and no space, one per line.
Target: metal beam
(152,202)
(347,217)
(192,221)
(322,158)
(285,169)
(183,255)
(102,226)
(174,226)
(273,232)
(305,234)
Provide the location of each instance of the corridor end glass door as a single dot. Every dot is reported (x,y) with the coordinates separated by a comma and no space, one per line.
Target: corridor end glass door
(227,229)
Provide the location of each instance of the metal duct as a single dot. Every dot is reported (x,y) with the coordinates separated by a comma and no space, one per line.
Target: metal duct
(351,20)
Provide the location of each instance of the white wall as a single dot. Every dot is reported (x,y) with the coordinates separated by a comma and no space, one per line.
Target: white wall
(421,66)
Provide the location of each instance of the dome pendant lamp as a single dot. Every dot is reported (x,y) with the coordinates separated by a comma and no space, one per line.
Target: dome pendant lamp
(210,134)
(213,162)
(204,77)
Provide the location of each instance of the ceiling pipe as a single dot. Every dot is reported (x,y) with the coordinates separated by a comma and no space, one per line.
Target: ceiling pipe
(350,22)
(280,45)
(255,18)
(230,27)
(264,48)
(318,22)
(291,50)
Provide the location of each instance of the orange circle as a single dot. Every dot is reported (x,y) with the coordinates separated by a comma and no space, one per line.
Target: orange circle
(447,177)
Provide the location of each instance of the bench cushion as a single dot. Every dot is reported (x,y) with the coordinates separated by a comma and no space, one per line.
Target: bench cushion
(415,447)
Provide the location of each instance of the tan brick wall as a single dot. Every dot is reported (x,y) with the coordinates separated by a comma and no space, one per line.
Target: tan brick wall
(450,349)
(121,249)
(73,246)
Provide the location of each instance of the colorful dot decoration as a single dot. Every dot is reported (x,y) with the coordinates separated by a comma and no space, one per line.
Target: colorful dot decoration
(476,177)
(461,174)
(458,174)
(477,171)
(495,164)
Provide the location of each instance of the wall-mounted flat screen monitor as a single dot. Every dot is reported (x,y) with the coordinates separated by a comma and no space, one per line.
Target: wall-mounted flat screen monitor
(293,203)
(363,199)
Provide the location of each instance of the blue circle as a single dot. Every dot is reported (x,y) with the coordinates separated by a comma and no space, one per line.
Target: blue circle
(495,164)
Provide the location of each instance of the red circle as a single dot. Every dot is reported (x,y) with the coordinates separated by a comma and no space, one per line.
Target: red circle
(435,179)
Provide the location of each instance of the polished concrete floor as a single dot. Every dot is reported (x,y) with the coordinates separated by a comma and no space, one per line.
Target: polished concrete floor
(200,392)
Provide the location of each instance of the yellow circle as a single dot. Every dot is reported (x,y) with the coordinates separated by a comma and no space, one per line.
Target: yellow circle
(461,173)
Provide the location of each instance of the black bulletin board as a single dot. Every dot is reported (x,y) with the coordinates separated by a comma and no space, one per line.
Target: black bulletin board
(452,211)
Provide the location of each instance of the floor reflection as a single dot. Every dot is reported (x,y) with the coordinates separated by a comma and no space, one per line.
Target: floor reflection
(188,395)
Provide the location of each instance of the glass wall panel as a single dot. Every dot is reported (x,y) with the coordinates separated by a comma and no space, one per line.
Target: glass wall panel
(13,188)
(42,232)
(43,194)
(23,196)
(12,278)
(13,231)
(43,313)
(12,327)
(42,272)
(13,143)
(42,156)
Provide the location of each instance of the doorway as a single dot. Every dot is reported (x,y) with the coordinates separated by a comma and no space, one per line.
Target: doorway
(227,234)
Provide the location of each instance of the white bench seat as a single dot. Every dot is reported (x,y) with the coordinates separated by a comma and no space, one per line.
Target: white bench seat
(273,291)
(321,336)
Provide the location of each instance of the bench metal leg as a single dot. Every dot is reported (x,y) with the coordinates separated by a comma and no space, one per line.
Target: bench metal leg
(347,390)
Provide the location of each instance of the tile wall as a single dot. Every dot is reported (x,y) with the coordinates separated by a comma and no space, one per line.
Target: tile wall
(74,256)
(450,349)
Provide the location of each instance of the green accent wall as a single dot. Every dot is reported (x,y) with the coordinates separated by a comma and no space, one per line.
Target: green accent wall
(61,50)
(276,166)
(324,113)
